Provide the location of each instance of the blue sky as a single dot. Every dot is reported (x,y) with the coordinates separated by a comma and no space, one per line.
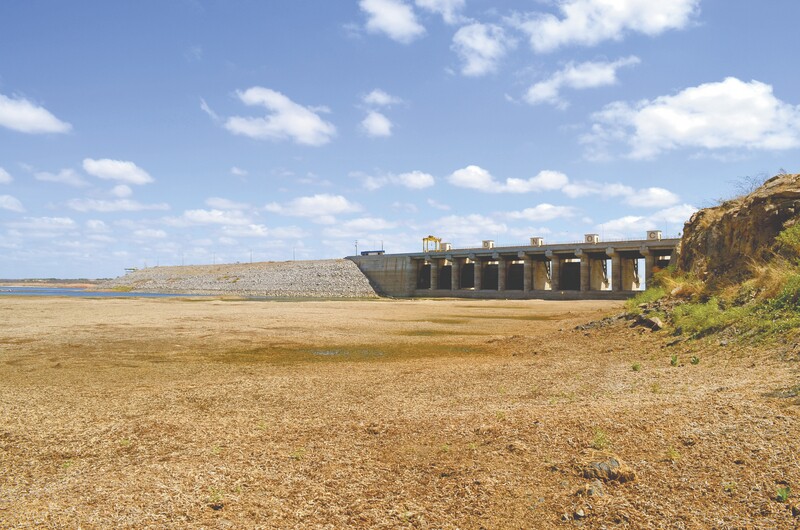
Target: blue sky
(161,132)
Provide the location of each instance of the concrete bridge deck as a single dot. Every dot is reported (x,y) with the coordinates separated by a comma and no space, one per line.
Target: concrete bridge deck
(588,270)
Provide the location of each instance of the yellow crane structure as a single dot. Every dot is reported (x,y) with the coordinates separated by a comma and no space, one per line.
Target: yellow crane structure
(431,244)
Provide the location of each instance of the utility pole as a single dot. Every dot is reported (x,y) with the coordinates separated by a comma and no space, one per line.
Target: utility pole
(356,247)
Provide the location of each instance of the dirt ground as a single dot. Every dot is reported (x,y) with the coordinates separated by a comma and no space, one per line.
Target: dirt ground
(142,413)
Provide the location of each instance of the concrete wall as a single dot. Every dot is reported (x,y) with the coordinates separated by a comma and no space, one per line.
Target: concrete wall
(389,275)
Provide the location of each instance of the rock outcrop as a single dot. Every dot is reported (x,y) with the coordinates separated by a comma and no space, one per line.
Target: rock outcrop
(720,244)
(335,278)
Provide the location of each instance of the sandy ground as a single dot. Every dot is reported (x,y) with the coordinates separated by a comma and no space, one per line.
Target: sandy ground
(134,413)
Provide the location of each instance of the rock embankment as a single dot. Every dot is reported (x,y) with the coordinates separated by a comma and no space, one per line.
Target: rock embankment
(720,244)
(335,278)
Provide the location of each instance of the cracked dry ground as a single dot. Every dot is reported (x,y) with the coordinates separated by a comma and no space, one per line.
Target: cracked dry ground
(134,413)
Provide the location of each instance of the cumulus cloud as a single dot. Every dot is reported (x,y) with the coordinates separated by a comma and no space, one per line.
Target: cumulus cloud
(97,226)
(543,212)
(468,226)
(449,9)
(5,177)
(120,170)
(121,191)
(578,77)
(209,217)
(320,208)
(480,48)
(394,18)
(239,172)
(66,176)
(42,226)
(358,227)
(628,225)
(120,205)
(433,203)
(376,124)
(379,98)
(226,204)
(150,233)
(415,180)
(260,230)
(477,178)
(589,22)
(653,197)
(285,119)
(730,114)
(12,204)
(19,114)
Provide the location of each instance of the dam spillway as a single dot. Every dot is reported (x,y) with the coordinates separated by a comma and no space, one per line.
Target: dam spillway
(591,269)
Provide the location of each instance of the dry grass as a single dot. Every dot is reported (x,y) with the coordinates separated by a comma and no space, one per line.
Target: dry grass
(382,414)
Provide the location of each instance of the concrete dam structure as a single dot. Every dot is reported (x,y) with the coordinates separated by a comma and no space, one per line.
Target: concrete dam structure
(591,269)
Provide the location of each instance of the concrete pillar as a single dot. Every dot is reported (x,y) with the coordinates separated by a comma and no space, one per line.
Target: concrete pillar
(616,269)
(478,270)
(649,265)
(502,270)
(597,279)
(555,270)
(630,281)
(541,281)
(434,274)
(527,271)
(455,278)
(584,270)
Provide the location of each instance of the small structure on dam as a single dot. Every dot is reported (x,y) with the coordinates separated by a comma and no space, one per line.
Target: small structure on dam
(589,269)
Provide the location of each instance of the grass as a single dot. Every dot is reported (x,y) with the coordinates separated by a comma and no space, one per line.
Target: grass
(782,495)
(600,440)
(636,367)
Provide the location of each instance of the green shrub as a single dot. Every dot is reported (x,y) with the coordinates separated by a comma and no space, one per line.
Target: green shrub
(645,297)
(789,240)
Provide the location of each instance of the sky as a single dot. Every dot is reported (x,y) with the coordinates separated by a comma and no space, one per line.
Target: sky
(168,132)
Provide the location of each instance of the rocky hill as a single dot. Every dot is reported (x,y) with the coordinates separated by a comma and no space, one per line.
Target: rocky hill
(720,244)
(296,279)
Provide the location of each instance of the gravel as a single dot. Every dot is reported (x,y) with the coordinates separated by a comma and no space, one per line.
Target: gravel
(335,278)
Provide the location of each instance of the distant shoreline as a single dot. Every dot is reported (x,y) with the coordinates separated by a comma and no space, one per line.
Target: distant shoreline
(80,283)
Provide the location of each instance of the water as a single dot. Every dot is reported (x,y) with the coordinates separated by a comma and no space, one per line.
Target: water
(77,292)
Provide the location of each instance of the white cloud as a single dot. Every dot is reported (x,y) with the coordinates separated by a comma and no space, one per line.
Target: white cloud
(238,172)
(456,226)
(376,124)
(587,187)
(730,114)
(208,110)
(66,176)
(120,170)
(122,191)
(12,204)
(480,47)
(320,208)
(226,204)
(477,178)
(120,205)
(23,116)
(589,22)
(652,198)
(5,177)
(43,226)
(671,218)
(379,98)
(358,227)
(286,119)
(449,9)
(395,18)
(259,230)
(150,233)
(97,226)
(415,180)
(576,76)
(543,212)
(210,217)
(438,205)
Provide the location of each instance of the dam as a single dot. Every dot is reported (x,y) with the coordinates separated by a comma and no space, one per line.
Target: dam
(590,269)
